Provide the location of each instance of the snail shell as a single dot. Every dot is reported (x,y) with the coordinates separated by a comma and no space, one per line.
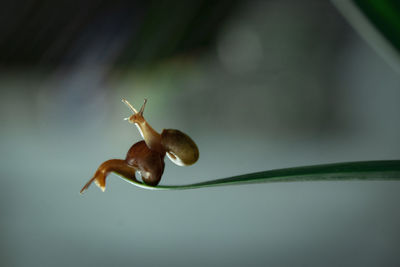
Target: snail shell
(180,148)
(148,163)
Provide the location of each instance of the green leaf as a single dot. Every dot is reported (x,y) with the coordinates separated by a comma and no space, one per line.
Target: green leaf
(385,15)
(378,21)
(363,170)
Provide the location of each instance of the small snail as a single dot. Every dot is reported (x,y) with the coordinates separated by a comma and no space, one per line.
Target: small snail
(147,156)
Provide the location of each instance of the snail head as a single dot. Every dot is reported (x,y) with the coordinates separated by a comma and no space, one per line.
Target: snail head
(137,117)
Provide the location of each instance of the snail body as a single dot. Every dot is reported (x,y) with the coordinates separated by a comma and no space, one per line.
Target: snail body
(147,156)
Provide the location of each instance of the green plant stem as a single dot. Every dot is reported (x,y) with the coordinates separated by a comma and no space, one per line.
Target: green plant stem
(362,170)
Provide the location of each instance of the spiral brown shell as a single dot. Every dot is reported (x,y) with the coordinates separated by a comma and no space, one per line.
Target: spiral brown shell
(149,163)
(180,148)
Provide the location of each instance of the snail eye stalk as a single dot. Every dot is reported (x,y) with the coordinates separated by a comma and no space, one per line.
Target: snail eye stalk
(134,111)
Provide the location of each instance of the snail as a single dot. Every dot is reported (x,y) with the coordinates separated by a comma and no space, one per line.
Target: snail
(147,156)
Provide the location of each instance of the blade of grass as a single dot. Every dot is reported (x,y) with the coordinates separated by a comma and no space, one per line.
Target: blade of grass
(378,22)
(385,15)
(362,170)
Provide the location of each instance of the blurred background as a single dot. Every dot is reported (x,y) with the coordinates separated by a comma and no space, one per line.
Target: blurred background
(258,85)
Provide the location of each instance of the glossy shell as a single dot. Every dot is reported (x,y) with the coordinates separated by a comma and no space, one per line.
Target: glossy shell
(180,148)
(149,163)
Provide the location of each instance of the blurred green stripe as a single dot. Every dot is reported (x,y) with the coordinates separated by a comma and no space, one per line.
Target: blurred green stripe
(385,16)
